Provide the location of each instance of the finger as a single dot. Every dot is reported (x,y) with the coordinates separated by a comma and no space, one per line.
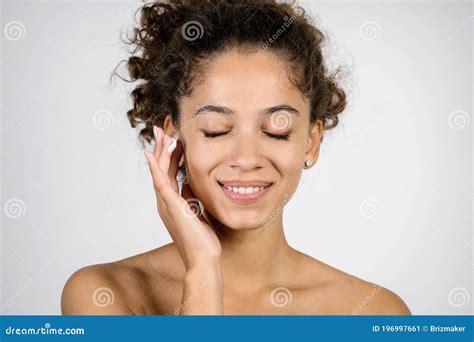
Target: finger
(163,190)
(158,133)
(175,158)
(174,166)
(169,145)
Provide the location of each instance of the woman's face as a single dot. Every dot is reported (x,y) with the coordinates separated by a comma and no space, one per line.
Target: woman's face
(245,122)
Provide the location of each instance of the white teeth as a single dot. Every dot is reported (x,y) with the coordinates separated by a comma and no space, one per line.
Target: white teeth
(244,190)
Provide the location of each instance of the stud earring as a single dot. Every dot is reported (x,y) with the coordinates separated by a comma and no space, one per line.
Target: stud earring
(308,163)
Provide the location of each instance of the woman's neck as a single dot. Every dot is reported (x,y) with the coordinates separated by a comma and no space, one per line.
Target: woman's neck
(250,254)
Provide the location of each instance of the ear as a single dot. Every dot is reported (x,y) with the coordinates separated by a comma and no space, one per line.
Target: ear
(314,141)
(170,130)
(168,126)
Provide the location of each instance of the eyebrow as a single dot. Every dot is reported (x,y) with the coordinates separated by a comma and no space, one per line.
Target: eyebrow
(228,111)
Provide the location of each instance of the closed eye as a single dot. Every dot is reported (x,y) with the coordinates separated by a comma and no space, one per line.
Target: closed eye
(211,135)
(278,136)
(214,134)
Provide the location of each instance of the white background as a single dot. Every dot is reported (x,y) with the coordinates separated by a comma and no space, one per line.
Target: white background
(390,199)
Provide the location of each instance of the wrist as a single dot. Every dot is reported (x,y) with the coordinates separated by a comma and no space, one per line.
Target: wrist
(203,265)
(204,268)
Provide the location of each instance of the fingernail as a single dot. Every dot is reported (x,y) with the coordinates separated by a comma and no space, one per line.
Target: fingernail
(172,146)
(155,131)
(147,155)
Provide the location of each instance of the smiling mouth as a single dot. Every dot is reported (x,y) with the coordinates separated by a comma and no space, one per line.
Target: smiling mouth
(245,194)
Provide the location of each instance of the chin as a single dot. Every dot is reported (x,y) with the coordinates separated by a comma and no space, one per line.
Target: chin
(239,221)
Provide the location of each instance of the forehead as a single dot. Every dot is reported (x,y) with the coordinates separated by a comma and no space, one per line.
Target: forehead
(245,81)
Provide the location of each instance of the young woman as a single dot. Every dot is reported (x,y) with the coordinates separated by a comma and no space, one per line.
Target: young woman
(235,96)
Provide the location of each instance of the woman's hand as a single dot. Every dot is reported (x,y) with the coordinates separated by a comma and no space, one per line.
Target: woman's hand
(194,237)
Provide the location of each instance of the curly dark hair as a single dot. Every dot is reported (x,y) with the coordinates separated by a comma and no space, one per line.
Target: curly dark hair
(175,38)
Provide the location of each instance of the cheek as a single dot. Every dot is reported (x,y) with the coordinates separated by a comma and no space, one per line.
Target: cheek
(200,159)
(288,161)
(290,171)
(287,155)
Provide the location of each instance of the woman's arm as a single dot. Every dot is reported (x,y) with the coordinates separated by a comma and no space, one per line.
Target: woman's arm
(203,290)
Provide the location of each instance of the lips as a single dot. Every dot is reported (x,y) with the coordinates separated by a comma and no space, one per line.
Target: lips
(244,192)
(237,184)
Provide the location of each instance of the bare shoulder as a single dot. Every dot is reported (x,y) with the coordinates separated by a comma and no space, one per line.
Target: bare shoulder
(120,287)
(342,293)
(93,290)
(374,299)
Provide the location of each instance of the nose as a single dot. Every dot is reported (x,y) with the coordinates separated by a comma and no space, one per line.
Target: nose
(246,151)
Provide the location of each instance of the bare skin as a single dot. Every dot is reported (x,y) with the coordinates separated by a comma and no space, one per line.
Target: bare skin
(233,259)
